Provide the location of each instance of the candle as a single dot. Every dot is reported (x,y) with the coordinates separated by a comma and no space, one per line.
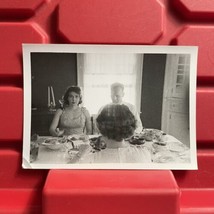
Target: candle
(48,96)
(54,104)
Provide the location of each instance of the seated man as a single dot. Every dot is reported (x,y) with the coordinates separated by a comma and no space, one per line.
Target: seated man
(117,94)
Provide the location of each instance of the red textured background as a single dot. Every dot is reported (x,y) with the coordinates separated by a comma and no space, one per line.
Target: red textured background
(153,22)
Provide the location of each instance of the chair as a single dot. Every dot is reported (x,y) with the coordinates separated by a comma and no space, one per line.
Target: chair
(95,130)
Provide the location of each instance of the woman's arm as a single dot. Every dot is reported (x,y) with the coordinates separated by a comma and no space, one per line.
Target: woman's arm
(87,122)
(55,122)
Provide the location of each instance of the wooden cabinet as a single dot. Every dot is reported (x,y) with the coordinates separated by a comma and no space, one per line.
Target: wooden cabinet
(40,121)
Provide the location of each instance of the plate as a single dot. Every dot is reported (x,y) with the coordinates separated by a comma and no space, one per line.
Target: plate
(176,147)
(52,143)
(163,157)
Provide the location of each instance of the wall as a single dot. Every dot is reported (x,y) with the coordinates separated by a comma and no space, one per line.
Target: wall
(152,90)
(51,69)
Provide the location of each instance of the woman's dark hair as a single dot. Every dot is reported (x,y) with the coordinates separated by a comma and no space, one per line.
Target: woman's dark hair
(116,122)
(70,89)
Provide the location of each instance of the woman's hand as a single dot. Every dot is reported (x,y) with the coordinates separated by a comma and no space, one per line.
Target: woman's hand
(59,132)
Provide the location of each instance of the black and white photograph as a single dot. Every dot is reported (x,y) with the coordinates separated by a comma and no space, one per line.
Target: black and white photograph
(109,106)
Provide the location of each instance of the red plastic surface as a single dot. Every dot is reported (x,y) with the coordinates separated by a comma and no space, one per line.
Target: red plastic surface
(12,174)
(106,191)
(11,114)
(197,201)
(203,177)
(19,201)
(155,22)
(200,9)
(205,116)
(19,8)
(20,190)
(196,35)
(197,187)
(138,21)
(12,36)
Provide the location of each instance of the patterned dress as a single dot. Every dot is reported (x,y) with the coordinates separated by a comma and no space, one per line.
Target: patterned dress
(72,124)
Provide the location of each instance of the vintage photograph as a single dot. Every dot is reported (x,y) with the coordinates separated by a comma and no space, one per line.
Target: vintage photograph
(109,106)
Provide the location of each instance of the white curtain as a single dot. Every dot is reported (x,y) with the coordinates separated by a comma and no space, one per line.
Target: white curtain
(96,72)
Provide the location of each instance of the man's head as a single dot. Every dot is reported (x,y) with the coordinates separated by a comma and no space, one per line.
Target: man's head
(117,93)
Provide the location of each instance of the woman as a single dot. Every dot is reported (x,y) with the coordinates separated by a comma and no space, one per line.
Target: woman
(116,123)
(71,118)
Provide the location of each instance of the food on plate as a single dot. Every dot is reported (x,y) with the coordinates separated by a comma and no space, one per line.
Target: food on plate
(53,143)
(136,140)
(160,143)
(152,135)
(159,147)
(82,137)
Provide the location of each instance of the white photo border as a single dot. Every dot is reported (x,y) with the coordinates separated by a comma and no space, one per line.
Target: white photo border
(82,48)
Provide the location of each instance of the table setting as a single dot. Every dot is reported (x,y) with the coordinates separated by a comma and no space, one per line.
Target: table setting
(164,148)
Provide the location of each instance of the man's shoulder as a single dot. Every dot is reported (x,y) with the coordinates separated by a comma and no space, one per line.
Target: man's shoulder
(102,107)
(131,106)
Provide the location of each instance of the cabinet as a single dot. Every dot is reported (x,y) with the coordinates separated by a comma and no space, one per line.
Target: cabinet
(175,116)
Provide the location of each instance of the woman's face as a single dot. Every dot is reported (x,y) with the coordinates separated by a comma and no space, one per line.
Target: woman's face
(73,99)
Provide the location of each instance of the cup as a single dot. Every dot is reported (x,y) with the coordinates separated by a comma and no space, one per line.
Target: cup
(34,150)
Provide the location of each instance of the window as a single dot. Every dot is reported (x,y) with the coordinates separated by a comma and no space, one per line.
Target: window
(96,72)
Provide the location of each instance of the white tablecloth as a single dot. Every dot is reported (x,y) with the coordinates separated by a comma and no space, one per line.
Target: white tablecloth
(173,152)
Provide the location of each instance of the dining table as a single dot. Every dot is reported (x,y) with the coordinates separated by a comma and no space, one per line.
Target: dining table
(171,150)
